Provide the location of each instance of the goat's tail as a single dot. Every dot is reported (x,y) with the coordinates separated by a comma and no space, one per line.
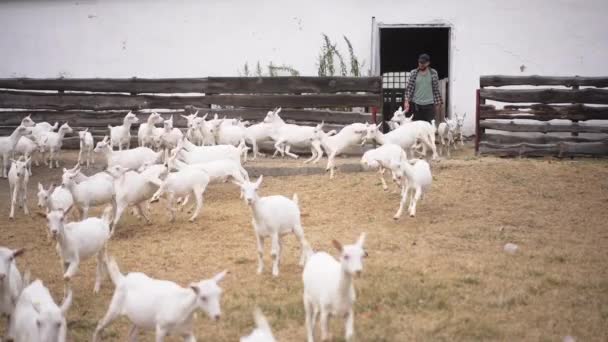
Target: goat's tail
(113,270)
(260,320)
(295,199)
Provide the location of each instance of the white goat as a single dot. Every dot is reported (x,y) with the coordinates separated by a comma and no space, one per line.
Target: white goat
(261,132)
(86,147)
(55,198)
(53,141)
(11,283)
(79,241)
(446,132)
(380,159)
(170,135)
(133,188)
(8,144)
(92,191)
(38,129)
(350,135)
(121,135)
(459,126)
(187,181)
(232,134)
(28,146)
(198,132)
(192,154)
(262,332)
(329,287)
(419,181)
(18,177)
(131,159)
(146,131)
(287,135)
(37,318)
(160,305)
(274,216)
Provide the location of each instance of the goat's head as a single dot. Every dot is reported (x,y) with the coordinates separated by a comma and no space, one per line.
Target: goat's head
(65,129)
(155,118)
(50,321)
(82,134)
(44,195)
(23,131)
(372,131)
(130,118)
(272,115)
(20,166)
(103,146)
(460,120)
(56,220)
(27,121)
(69,176)
(351,256)
(209,294)
(249,190)
(117,171)
(7,258)
(399,116)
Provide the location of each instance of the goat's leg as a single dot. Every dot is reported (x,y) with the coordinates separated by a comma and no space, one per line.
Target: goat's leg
(310,323)
(72,269)
(57,153)
(292,155)
(26,210)
(198,195)
(113,312)
(260,244)
(349,329)
(381,171)
(80,154)
(142,211)
(414,200)
(317,146)
(171,206)
(99,272)
(324,324)
(313,155)
(278,148)
(13,192)
(401,203)
(275,253)
(304,245)
(118,214)
(161,332)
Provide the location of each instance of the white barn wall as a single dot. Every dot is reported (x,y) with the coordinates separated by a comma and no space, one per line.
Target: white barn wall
(89,38)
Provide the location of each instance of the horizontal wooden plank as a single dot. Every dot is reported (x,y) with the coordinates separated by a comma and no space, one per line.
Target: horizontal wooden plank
(32,100)
(544,139)
(258,114)
(542,128)
(565,149)
(587,95)
(569,81)
(213,85)
(545,112)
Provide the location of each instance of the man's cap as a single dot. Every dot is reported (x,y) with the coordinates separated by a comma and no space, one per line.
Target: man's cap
(424,58)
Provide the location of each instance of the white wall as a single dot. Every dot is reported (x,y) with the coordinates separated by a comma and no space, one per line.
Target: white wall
(112,38)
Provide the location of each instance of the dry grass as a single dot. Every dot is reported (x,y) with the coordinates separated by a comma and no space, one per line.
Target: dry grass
(440,276)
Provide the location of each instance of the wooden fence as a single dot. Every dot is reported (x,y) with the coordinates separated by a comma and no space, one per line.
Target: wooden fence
(97,103)
(529,109)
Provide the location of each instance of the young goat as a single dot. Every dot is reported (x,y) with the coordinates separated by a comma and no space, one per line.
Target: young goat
(53,141)
(145,133)
(92,191)
(287,135)
(8,144)
(11,283)
(55,198)
(226,134)
(262,332)
(459,126)
(37,318)
(134,188)
(86,147)
(131,159)
(192,154)
(419,180)
(170,135)
(348,136)
(446,132)
(18,177)
(274,216)
(28,146)
(188,181)
(261,132)
(380,159)
(78,241)
(160,305)
(121,135)
(329,287)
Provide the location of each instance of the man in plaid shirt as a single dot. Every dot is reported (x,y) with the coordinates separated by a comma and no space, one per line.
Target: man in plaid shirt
(422,90)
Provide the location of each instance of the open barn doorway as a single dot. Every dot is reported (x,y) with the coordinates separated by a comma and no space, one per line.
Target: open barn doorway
(399,47)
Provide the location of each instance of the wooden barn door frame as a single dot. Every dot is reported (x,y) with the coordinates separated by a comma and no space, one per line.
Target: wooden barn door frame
(375,52)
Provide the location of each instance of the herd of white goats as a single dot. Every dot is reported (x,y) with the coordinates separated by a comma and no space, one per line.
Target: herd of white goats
(177,166)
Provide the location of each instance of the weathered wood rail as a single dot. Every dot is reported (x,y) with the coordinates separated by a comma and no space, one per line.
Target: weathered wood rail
(99,102)
(536,106)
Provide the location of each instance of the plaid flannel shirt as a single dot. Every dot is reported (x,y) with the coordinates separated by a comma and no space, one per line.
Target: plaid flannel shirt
(411,85)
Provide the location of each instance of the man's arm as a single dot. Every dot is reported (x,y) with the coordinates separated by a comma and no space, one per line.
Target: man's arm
(409,90)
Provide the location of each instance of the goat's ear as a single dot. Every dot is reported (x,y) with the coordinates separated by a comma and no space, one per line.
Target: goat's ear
(218,277)
(18,252)
(194,287)
(86,129)
(184,116)
(67,210)
(278,110)
(41,214)
(259,181)
(378,126)
(215,116)
(400,109)
(361,240)
(365,255)
(205,116)
(196,114)
(337,244)
(40,187)
(464,115)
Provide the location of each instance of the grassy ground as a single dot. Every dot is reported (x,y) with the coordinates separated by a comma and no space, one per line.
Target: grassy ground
(439,276)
